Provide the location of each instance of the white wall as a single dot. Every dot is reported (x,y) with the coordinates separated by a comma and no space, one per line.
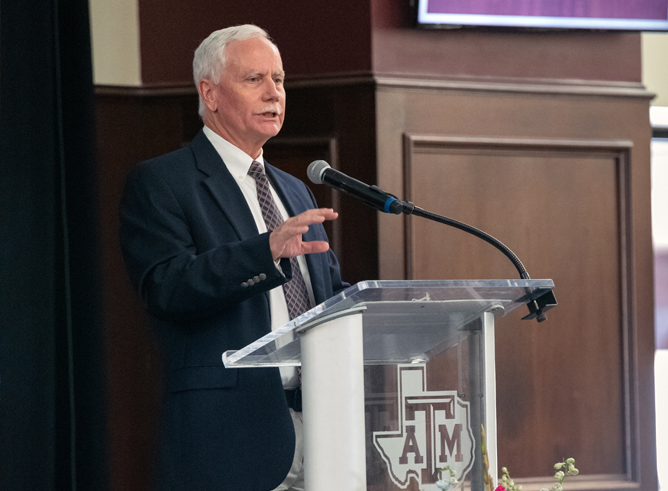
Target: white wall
(655,66)
(114,26)
(655,78)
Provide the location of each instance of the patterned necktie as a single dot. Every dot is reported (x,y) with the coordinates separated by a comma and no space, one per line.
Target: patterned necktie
(296,295)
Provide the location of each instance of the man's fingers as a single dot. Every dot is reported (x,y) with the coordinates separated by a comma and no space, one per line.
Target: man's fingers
(286,241)
(298,225)
(314,247)
(306,220)
(317,215)
(290,229)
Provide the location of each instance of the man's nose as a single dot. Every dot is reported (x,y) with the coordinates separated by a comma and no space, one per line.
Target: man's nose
(272,91)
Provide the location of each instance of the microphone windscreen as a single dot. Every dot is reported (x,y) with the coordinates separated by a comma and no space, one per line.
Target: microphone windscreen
(315,170)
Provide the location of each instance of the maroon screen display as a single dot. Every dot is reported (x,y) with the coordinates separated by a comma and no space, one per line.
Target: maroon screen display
(606,9)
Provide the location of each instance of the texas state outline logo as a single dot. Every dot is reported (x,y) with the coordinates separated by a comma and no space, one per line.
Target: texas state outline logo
(434,432)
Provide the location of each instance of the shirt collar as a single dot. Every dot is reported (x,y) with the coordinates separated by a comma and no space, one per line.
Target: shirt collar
(237,161)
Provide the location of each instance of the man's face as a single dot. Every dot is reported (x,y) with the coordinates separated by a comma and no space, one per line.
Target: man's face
(248,104)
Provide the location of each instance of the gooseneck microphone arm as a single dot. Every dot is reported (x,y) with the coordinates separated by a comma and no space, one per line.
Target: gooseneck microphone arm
(537,306)
(417,211)
(319,172)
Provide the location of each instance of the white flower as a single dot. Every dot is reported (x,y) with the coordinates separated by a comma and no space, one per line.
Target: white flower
(443,484)
(447,481)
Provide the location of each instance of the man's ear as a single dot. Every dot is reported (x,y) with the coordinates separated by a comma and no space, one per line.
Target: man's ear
(206,90)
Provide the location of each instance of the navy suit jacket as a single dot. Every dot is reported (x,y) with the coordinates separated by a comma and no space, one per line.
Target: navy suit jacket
(190,243)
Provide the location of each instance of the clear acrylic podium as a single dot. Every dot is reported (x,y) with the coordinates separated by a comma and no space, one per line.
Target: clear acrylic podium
(398,380)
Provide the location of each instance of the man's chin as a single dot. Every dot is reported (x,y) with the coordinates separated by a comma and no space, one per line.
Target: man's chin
(270,130)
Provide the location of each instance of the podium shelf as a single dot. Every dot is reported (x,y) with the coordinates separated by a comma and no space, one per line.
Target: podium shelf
(403,321)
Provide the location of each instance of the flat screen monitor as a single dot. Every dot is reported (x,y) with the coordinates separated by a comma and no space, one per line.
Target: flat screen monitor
(635,15)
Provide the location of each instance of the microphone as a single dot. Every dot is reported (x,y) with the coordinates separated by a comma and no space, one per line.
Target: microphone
(320,172)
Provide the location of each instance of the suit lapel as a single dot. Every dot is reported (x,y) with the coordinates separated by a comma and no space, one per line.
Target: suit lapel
(223,187)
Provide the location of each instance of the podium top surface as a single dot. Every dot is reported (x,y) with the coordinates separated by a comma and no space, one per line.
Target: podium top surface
(403,321)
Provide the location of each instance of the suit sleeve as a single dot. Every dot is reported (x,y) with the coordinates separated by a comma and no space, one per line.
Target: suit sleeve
(173,278)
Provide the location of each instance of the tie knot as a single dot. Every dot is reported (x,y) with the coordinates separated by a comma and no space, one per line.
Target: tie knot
(256,170)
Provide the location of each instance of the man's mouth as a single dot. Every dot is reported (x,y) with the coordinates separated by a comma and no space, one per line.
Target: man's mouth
(270,113)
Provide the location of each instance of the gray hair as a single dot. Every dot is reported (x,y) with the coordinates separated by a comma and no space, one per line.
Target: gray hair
(209,60)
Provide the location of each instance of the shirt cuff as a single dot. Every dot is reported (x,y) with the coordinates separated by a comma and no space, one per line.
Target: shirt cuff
(277,263)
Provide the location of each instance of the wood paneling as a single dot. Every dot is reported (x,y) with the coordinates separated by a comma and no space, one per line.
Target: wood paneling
(293,155)
(561,206)
(132,125)
(539,139)
(561,177)
(135,124)
(374,37)
(315,36)
(343,112)
(519,55)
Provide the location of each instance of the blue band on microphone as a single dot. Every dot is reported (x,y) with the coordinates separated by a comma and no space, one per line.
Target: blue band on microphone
(388,203)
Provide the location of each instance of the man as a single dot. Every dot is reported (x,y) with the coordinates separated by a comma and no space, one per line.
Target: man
(210,244)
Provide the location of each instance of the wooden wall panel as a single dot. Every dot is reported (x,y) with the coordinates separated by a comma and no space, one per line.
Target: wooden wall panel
(514,54)
(132,125)
(560,173)
(527,163)
(559,170)
(559,205)
(314,36)
(293,155)
(541,138)
(344,112)
(138,124)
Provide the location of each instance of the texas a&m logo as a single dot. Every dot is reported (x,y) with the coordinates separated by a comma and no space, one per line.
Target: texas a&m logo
(434,432)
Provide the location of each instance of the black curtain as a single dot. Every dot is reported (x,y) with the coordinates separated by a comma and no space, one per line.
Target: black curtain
(52,384)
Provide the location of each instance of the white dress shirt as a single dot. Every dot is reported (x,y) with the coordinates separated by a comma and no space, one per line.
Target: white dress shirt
(238,163)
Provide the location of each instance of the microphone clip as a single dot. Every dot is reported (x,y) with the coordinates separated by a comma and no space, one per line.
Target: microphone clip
(538,306)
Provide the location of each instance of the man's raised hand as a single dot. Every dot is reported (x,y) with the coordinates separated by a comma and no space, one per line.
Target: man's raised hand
(286,240)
